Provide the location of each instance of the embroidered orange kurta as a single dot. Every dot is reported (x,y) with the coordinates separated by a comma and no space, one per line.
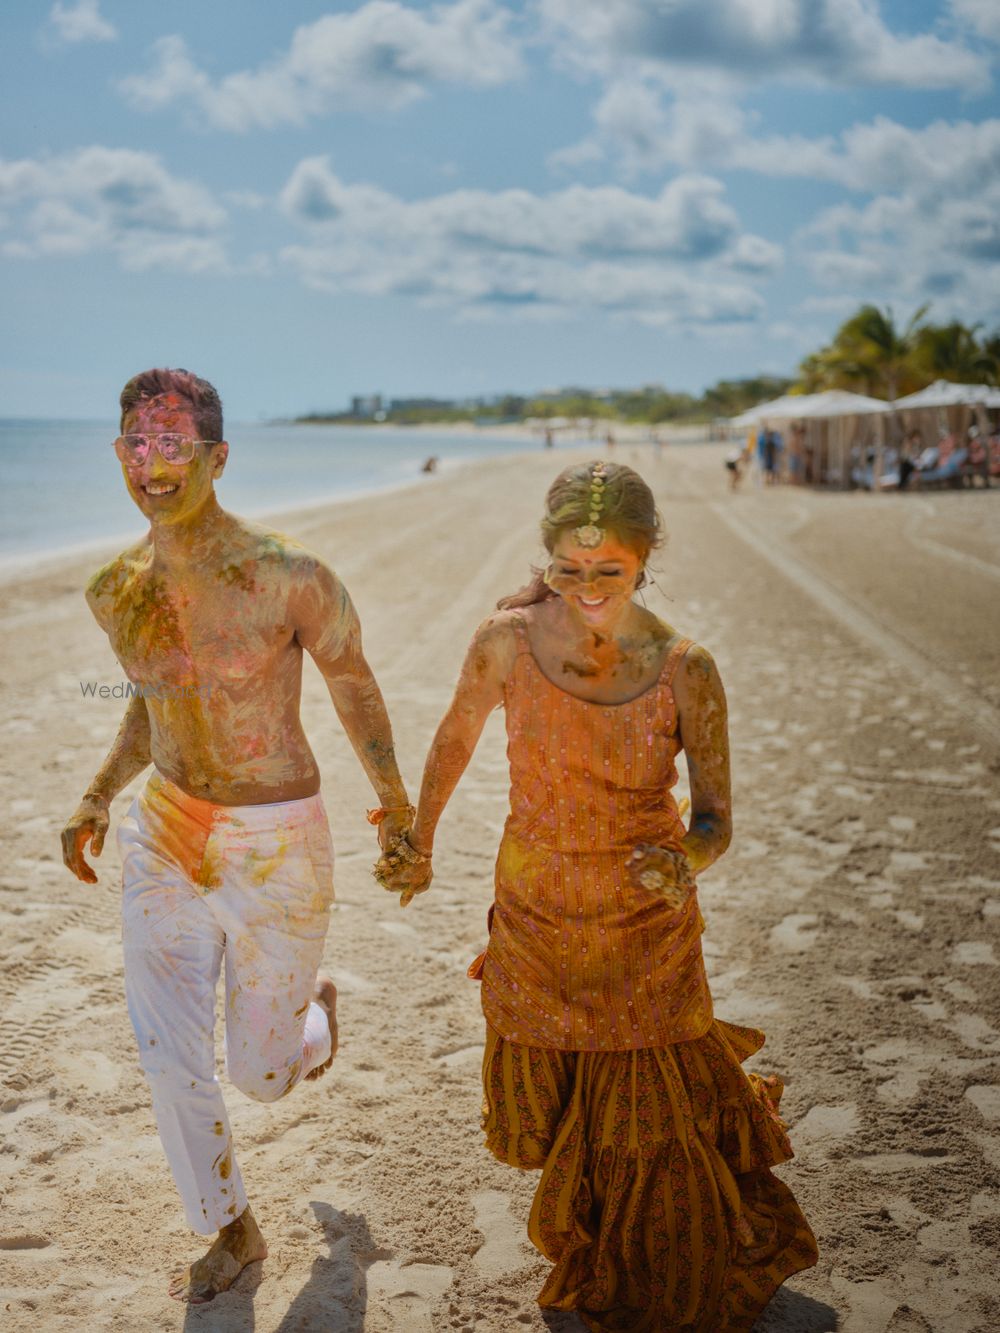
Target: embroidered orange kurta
(579,958)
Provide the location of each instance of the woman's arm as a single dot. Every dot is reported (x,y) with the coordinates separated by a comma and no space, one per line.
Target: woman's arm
(702,726)
(479,690)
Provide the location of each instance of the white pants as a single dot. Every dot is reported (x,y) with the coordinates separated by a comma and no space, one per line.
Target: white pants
(253,883)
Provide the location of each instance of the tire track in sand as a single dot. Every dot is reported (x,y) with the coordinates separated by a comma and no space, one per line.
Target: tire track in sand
(863,624)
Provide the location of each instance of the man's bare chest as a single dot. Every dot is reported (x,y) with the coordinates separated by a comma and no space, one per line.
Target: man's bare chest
(201,632)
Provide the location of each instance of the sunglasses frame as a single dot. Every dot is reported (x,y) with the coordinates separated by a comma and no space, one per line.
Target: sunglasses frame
(152,439)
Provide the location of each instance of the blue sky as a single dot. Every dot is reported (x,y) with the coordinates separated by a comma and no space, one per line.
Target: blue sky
(308,202)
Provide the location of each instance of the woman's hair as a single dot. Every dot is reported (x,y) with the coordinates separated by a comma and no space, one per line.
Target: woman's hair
(628,510)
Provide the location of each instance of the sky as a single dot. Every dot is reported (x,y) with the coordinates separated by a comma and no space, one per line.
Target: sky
(307,202)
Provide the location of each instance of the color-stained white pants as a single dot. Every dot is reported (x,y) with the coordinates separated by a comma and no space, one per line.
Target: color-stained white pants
(254,884)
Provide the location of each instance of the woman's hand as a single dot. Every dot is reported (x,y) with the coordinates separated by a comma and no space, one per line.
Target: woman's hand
(404,870)
(659,870)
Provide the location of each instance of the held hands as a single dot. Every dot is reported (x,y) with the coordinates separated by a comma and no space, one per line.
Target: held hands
(393,824)
(89,823)
(401,868)
(659,870)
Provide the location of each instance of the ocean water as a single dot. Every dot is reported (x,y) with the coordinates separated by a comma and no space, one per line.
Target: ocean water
(63,486)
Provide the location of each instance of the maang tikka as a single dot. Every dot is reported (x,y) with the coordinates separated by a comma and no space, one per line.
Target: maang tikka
(590,535)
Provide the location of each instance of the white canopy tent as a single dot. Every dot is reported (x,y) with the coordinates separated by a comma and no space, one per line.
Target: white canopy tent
(833,422)
(942,393)
(765,411)
(806,406)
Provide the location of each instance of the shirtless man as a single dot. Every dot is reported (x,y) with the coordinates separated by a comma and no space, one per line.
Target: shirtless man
(226,852)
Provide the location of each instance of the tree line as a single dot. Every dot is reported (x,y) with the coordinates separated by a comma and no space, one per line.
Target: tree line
(871,353)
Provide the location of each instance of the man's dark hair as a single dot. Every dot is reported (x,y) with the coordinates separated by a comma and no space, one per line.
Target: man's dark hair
(205,401)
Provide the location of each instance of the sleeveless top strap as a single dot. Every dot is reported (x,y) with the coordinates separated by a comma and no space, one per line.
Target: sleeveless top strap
(674,660)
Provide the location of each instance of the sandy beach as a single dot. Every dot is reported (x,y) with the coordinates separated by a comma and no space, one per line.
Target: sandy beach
(854,919)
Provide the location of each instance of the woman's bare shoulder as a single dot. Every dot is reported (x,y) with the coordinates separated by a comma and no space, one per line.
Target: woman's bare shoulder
(496,638)
(696,680)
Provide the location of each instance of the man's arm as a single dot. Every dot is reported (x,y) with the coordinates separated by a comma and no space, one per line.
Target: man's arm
(327,627)
(128,756)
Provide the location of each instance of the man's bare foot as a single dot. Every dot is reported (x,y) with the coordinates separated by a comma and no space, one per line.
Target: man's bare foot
(326,998)
(236,1245)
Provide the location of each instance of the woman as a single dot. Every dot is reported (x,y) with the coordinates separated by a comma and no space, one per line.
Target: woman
(604,1066)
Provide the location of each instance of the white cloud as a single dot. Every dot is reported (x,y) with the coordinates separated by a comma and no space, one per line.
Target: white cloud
(841,42)
(82,22)
(383,54)
(642,129)
(943,248)
(109,199)
(982,16)
(678,256)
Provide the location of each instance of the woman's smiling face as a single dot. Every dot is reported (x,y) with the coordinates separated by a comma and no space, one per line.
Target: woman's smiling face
(595,582)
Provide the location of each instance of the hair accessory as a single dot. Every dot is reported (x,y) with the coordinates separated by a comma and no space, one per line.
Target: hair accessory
(590,535)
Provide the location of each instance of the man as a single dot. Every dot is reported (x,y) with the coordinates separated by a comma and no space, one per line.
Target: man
(226,852)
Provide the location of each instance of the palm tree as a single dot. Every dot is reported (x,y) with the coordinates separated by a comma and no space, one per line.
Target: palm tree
(868,353)
(871,341)
(952,352)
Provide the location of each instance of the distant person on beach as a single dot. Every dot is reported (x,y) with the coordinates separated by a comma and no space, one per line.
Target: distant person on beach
(605,1067)
(550,438)
(226,851)
(734,466)
(908,455)
(773,445)
(430,464)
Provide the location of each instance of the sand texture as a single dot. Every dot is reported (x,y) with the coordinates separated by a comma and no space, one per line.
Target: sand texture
(855,919)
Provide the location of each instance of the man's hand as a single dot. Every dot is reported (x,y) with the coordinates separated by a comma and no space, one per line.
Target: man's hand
(404,870)
(659,870)
(393,824)
(89,823)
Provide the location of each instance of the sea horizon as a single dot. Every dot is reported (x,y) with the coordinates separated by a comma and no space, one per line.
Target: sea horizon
(273,467)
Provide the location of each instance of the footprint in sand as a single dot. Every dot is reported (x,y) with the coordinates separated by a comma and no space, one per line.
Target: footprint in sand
(976,1032)
(460,1057)
(90,1071)
(795,932)
(27,1241)
(869,1305)
(889,1163)
(911,920)
(972,953)
(502,1251)
(822,1126)
(907,861)
(408,1292)
(400,929)
(348,983)
(985,1097)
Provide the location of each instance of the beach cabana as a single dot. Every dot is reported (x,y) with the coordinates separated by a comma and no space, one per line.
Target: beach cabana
(833,421)
(942,393)
(944,408)
(764,411)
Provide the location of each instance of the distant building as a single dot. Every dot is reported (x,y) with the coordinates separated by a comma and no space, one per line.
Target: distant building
(366,405)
